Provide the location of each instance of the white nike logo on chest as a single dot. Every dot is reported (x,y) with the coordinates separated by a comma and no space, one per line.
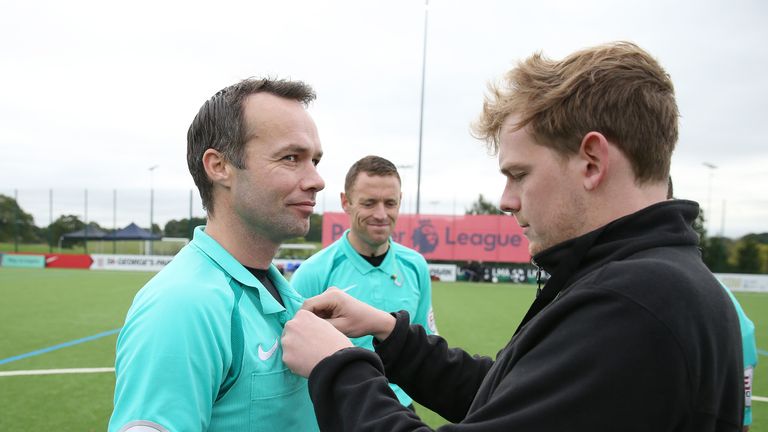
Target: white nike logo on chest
(265,355)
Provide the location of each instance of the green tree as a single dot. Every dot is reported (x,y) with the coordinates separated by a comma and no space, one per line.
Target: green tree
(763,258)
(63,225)
(182,228)
(761,238)
(748,256)
(482,207)
(15,223)
(715,254)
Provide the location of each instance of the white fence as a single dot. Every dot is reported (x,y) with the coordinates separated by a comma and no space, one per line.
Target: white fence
(744,282)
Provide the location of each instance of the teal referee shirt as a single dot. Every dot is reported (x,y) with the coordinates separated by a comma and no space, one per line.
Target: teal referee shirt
(200,350)
(401,282)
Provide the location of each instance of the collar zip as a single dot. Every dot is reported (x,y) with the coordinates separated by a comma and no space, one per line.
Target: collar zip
(538,277)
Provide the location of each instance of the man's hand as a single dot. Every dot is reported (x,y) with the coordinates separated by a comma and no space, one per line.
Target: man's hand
(349,315)
(307,340)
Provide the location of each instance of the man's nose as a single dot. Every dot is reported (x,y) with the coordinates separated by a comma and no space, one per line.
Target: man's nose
(313,180)
(380,211)
(510,202)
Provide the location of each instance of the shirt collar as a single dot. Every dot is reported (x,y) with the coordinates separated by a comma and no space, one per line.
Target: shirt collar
(238,272)
(363,266)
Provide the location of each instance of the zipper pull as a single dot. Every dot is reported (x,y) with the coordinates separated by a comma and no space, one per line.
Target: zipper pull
(538,278)
(538,274)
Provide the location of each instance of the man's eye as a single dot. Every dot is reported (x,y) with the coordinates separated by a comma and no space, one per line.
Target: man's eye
(291,158)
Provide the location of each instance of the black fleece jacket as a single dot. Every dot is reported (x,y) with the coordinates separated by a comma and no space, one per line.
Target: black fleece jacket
(639,337)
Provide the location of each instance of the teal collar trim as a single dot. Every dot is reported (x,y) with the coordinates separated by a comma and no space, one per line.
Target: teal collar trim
(210,247)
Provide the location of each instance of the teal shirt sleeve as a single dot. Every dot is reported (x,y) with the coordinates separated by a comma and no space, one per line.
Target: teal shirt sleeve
(749,347)
(170,359)
(424,314)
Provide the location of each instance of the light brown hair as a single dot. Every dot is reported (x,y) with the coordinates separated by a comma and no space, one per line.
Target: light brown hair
(616,89)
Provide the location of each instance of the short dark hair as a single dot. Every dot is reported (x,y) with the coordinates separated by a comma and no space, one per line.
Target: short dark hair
(373,166)
(219,125)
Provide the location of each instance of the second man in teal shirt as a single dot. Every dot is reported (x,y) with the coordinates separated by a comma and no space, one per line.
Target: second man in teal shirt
(365,262)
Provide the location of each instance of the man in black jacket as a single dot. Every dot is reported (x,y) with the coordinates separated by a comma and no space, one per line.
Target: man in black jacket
(630,333)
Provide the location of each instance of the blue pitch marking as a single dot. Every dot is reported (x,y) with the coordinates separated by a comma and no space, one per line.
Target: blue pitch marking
(59,346)
(111,332)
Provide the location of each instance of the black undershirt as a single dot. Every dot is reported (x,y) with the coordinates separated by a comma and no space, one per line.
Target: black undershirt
(375,260)
(261,275)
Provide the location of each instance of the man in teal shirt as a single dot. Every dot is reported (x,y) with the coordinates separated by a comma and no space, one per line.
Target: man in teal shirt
(748,345)
(200,348)
(365,262)
(750,357)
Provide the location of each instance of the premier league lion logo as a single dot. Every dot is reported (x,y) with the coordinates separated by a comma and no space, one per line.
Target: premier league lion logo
(425,238)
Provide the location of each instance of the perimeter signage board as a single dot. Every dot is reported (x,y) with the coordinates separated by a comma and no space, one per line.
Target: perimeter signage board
(130,262)
(22,261)
(490,238)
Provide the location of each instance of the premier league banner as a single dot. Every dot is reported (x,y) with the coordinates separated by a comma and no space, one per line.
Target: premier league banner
(489,238)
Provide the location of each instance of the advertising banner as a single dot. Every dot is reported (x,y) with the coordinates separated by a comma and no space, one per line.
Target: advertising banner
(490,238)
(22,261)
(130,262)
(443,272)
(744,282)
(72,261)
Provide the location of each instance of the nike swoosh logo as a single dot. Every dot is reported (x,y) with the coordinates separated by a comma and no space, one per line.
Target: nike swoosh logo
(349,287)
(265,355)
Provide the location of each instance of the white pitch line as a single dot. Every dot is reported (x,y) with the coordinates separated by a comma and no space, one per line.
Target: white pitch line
(56,371)
(111,369)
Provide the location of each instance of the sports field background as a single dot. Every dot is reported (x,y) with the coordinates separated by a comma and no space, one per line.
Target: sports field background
(44,308)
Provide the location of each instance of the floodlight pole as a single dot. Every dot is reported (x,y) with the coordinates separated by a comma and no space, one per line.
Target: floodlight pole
(402,167)
(50,220)
(712,169)
(16,221)
(85,212)
(421,110)
(151,205)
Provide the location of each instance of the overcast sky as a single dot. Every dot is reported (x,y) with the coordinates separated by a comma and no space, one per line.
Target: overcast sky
(94,93)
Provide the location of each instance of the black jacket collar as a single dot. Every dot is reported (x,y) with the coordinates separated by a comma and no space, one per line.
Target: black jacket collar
(667,223)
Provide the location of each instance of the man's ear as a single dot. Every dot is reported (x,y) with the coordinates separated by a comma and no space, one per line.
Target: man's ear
(344,202)
(594,159)
(217,168)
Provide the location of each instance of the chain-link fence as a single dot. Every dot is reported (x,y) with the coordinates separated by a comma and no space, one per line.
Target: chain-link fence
(36,220)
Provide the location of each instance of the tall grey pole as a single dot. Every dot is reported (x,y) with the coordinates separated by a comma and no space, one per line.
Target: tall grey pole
(151,205)
(50,220)
(421,110)
(709,213)
(114,220)
(85,210)
(722,221)
(16,221)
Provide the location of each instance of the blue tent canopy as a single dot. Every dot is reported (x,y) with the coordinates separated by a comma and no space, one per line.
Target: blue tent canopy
(132,232)
(88,233)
